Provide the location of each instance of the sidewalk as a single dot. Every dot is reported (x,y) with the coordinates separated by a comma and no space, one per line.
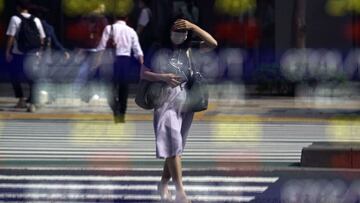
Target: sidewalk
(228,103)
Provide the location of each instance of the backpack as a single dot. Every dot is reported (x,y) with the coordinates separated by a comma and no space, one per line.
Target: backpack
(28,38)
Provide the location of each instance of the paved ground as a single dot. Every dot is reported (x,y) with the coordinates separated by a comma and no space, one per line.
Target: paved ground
(253,185)
(268,108)
(58,142)
(240,150)
(227,103)
(248,160)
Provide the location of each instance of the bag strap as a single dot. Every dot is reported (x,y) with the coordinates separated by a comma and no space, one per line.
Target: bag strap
(112,36)
(19,15)
(22,18)
(191,68)
(112,32)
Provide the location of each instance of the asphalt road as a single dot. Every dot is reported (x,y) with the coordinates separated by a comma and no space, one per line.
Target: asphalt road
(69,142)
(97,161)
(202,185)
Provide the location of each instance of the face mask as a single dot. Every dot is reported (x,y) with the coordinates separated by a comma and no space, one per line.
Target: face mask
(178,37)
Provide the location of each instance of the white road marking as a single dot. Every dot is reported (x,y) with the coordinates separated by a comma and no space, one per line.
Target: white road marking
(72,186)
(141,178)
(73,196)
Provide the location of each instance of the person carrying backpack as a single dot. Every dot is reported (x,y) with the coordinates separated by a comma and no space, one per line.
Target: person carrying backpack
(25,38)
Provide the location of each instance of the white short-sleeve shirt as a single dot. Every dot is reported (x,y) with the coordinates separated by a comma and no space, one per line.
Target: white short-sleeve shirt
(125,38)
(14,27)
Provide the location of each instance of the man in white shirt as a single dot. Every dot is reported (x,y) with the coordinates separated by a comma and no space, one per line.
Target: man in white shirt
(126,41)
(16,58)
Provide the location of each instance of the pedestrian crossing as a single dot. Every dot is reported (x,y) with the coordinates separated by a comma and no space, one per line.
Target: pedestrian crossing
(69,145)
(138,185)
(92,141)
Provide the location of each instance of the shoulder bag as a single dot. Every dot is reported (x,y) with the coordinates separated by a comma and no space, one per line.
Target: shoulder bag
(197,97)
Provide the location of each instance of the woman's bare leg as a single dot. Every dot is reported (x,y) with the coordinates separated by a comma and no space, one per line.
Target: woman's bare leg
(174,164)
(165,178)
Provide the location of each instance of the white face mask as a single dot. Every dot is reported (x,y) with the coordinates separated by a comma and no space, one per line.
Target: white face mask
(178,37)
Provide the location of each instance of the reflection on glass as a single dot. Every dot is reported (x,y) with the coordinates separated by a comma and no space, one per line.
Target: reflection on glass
(1,6)
(2,126)
(342,7)
(235,7)
(323,190)
(344,130)
(238,131)
(80,7)
(100,133)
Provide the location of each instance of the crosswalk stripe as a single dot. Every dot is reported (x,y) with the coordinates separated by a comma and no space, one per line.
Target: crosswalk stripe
(147,149)
(72,186)
(140,178)
(96,169)
(36,123)
(60,141)
(127,153)
(127,157)
(244,136)
(74,196)
(194,139)
(147,160)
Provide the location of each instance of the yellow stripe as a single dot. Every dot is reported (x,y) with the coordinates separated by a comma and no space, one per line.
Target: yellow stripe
(198,117)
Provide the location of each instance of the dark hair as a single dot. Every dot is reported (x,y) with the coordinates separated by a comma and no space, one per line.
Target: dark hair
(190,4)
(146,2)
(39,11)
(120,17)
(167,40)
(23,4)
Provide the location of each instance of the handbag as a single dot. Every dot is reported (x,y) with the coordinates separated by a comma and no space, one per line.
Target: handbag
(150,95)
(197,92)
(141,98)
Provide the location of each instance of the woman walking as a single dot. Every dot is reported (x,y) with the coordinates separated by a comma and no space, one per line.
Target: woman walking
(171,122)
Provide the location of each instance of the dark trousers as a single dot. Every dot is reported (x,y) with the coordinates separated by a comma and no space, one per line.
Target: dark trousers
(17,75)
(87,75)
(120,89)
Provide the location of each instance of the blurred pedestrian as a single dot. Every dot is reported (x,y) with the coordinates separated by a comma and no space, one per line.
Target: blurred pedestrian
(188,9)
(54,53)
(145,27)
(25,39)
(125,41)
(51,41)
(91,27)
(172,123)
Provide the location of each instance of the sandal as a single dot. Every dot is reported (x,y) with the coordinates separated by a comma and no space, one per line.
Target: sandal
(164,196)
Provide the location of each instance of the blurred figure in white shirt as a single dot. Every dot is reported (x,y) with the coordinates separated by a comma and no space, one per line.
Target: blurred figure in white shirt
(125,41)
(145,28)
